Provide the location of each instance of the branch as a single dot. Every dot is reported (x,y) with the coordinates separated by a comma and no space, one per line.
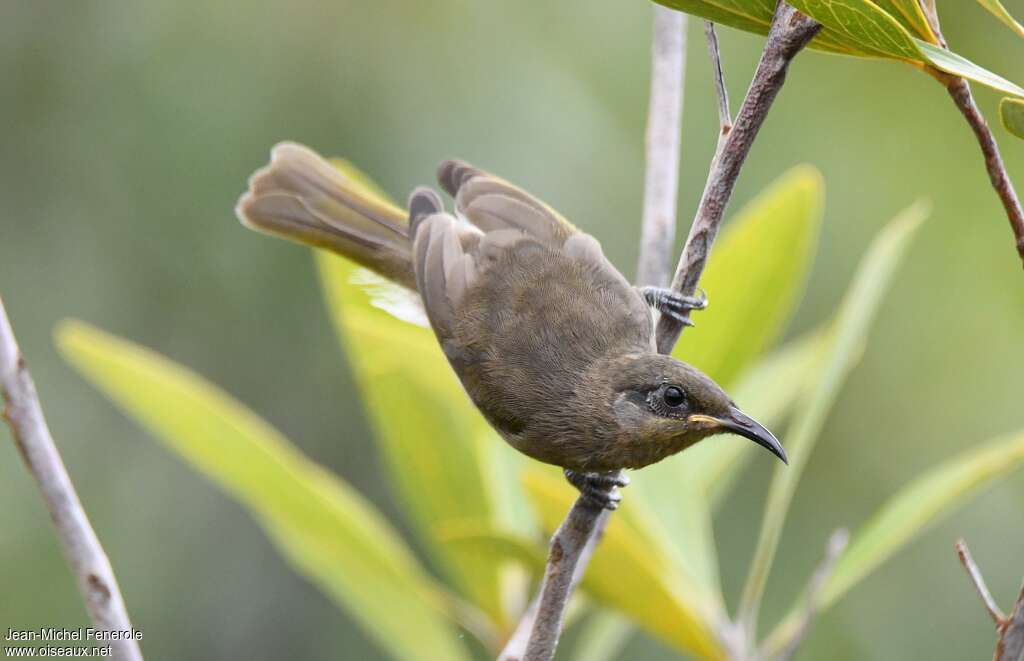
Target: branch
(1010,629)
(789,33)
(960,91)
(979,582)
(82,549)
(664,120)
(515,649)
(724,115)
(836,545)
(573,542)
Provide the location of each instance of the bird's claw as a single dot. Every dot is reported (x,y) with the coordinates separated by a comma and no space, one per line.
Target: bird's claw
(600,489)
(674,304)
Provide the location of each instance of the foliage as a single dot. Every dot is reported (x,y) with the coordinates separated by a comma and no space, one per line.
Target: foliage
(890,29)
(457,482)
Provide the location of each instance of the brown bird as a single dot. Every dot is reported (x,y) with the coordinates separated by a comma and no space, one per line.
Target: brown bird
(550,341)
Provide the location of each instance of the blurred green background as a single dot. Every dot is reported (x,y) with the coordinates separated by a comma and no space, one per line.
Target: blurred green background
(130,129)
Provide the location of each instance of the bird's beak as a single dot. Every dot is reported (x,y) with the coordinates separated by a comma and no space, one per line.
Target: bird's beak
(738,422)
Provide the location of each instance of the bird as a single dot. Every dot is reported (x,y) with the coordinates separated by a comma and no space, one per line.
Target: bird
(550,341)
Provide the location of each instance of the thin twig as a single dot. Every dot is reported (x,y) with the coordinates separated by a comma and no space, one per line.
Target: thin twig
(82,548)
(1009,629)
(515,649)
(724,114)
(789,33)
(560,576)
(960,91)
(664,122)
(581,528)
(833,549)
(979,582)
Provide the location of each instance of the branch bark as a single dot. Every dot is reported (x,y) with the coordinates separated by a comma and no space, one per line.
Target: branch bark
(789,33)
(960,91)
(92,570)
(1009,628)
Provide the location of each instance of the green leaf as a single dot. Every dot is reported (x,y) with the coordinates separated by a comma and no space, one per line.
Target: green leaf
(327,530)
(839,351)
(1011,112)
(438,451)
(631,572)
(894,29)
(756,275)
(504,547)
(933,495)
(960,66)
(602,637)
(863,25)
(999,11)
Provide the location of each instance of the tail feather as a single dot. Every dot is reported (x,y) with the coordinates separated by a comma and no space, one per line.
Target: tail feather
(301,197)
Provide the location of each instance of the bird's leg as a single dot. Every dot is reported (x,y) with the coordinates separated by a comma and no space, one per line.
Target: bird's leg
(672,303)
(599,488)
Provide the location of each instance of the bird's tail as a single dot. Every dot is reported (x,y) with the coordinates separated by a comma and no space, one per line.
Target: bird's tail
(301,197)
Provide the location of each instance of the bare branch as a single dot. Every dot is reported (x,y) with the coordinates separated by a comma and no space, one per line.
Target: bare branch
(789,33)
(515,649)
(833,549)
(664,120)
(724,114)
(960,91)
(83,551)
(979,582)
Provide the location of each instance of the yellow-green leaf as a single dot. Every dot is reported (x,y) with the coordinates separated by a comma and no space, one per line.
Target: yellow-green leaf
(957,65)
(839,351)
(327,530)
(894,29)
(435,443)
(630,571)
(756,275)
(602,637)
(1011,112)
(862,24)
(935,494)
(999,11)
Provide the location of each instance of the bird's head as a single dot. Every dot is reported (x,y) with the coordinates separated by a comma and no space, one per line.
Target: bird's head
(662,406)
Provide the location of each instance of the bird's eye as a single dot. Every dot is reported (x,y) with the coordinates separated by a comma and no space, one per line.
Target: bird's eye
(673,396)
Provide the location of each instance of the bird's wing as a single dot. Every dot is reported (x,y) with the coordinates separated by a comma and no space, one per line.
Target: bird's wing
(443,258)
(491,203)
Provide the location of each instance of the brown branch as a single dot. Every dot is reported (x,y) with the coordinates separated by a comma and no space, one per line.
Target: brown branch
(1009,629)
(89,564)
(515,649)
(960,91)
(789,33)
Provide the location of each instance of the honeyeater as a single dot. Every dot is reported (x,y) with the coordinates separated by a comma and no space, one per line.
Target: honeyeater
(550,341)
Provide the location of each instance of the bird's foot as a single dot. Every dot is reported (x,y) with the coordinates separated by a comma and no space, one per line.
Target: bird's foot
(601,489)
(674,304)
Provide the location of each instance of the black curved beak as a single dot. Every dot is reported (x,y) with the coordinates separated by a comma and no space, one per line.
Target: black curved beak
(741,424)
